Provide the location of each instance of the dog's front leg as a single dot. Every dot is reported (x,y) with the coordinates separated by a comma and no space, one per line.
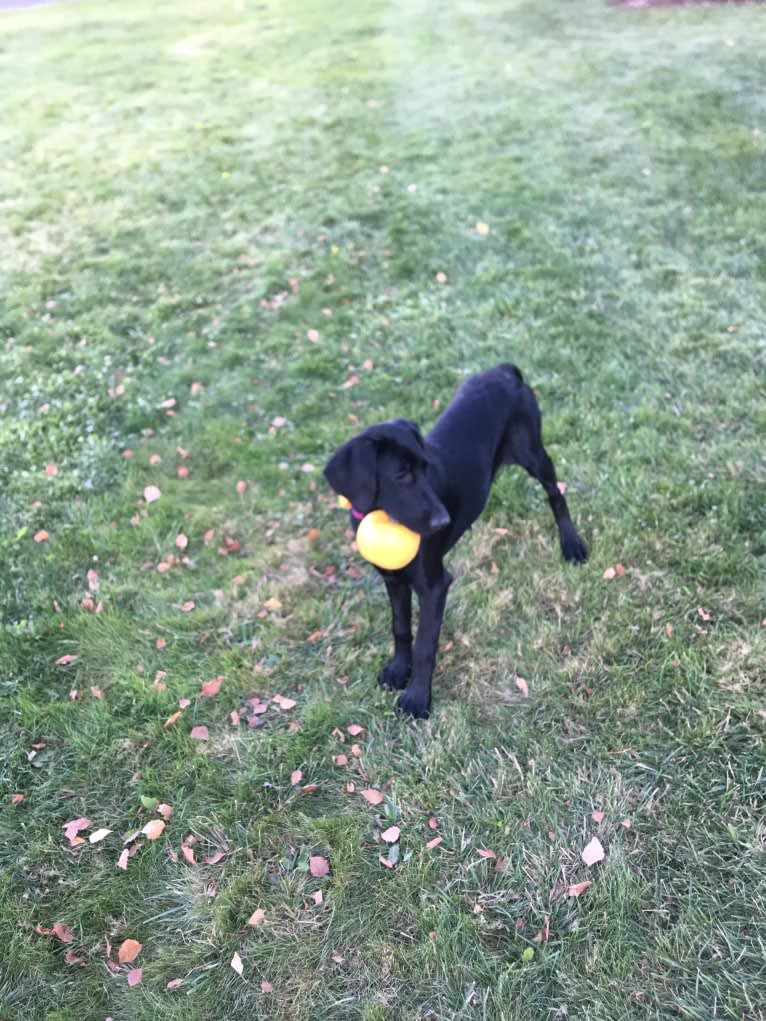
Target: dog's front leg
(396,673)
(416,699)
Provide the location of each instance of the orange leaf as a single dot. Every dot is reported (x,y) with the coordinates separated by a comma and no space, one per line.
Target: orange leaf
(41,536)
(374,797)
(355,730)
(522,685)
(391,835)
(211,688)
(577,888)
(284,703)
(486,853)
(66,660)
(153,829)
(258,917)
(434,843)
(129,951)
(188,853)
(171,719)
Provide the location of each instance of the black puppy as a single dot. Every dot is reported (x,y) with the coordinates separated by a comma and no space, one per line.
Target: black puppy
(438,487)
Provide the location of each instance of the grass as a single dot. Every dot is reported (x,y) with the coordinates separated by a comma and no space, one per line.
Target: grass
(185,191)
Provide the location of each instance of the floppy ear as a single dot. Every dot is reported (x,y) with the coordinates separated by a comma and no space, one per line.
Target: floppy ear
(352,472)
(404,433)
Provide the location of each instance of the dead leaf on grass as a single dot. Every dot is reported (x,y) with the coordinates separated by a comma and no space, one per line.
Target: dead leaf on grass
(593,852)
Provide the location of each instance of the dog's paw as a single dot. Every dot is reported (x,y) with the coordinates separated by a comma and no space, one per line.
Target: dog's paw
(573,548)
(414,704)
(395,675)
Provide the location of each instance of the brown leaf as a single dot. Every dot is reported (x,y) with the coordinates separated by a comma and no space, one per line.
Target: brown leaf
(66,660)
(577,888)
(284,703)
(73,827)
(188,853)
(318,866)
(355,730)
(522,685)
(41,536)
(258,917)
(486,853)
(122,861)
(544,933)
(129,951)
(391,835)
(434,843)
(171,719)
(63,931)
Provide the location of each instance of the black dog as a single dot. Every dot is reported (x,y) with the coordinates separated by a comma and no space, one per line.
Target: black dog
(438,487)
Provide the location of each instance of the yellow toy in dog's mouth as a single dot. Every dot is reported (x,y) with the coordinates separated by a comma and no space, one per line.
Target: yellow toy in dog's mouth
(383,542)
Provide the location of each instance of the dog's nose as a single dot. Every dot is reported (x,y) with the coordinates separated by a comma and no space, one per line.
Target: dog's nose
(439,519)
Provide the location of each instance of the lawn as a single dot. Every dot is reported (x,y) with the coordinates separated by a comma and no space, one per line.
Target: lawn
(232,234)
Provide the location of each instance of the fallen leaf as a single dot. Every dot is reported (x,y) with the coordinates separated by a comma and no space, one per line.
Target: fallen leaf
(355,730)
(312,335)
(73,827)
(153,829)
(66,660)
(41,536)
(51,469)
(174,983)
(199,733)
(482,228)
(16,799)
(122,861)
(391,835)
(704,615)
(165,810)
(188,606)
(374,797)
(544,933)
(340,760)
(669,630)
(284,703)
(385,861)
(597,816)
(609,573)
(577,888)
(434,843)
(318,866)
(317,897)
(171,719)
(433,823)
(63,931)
(485,852)
(98,835)
(214,858)
(593,852)
(182,541)
(160,643)
(295,777)
(236,963)
(129,951)
(258,917)
(152,493)
(266,987)
(522,685)
(211,688)
(183,703)
(627,823)
(188,853)
(620,571)
(135,976)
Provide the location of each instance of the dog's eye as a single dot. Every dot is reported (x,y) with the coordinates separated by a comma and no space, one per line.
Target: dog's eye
(406,476)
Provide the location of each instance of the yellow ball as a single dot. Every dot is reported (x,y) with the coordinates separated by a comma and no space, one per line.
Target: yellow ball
(386,543)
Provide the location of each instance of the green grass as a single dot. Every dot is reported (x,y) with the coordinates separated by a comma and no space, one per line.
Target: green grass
(185,190)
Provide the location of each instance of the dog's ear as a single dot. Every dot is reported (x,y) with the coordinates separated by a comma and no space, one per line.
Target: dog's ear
(352,471)
(404,433)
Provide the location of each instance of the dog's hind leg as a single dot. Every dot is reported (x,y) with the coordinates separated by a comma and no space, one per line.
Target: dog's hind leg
(525,448)
(396,673)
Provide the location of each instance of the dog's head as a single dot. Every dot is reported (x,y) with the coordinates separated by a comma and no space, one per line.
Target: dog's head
(384,468)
